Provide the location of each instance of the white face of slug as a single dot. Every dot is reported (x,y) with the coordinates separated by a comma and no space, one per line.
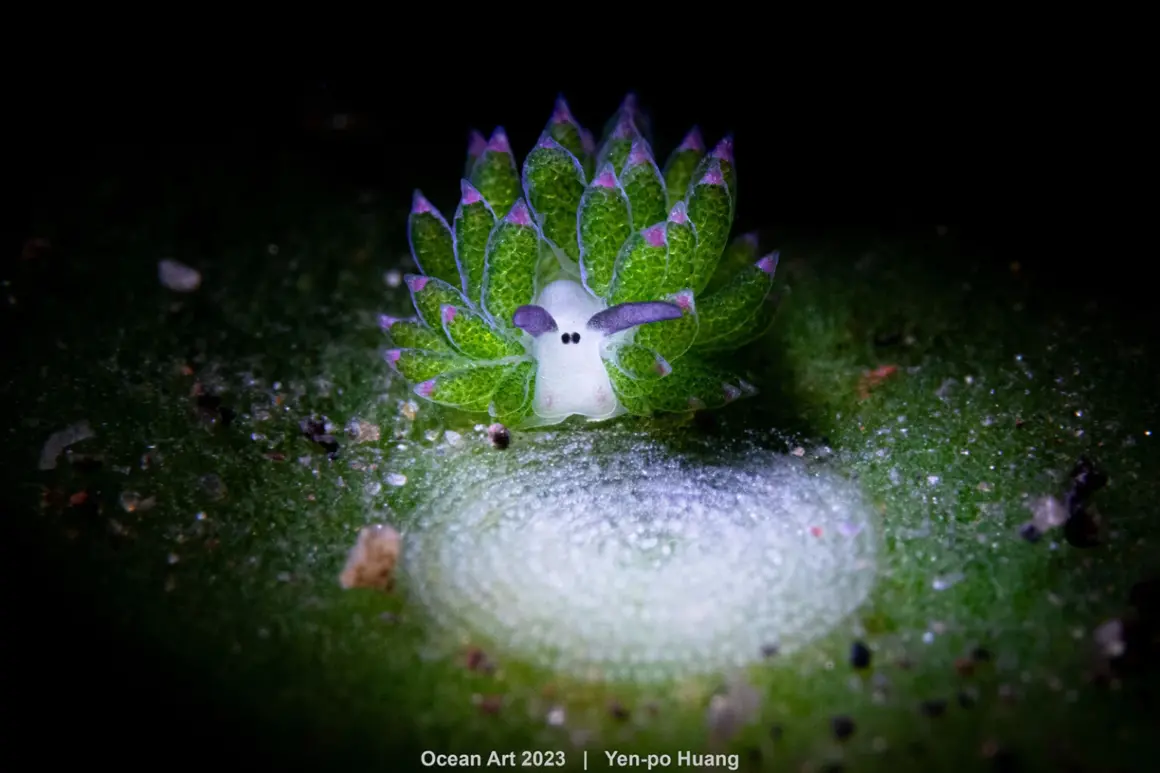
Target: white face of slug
(570,377)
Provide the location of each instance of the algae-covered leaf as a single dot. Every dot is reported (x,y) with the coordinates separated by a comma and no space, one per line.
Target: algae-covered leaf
(604,226)
(554,183)
(432,245)
(471,334)
(509,275)
(473,223)
(727,316)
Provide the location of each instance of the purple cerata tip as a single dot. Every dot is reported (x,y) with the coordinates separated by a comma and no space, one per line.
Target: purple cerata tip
(468,193)
(546,141)
(448,313)
(426,389)
(713,176)
(679,213)
(392,356)
(684,299)
(749,238)
(417,282)
(663,368)
(768,264)
(476,144)
(639,153)
(419,204)
(731,392)
(724,149)
(499,141)
(386,321)
(606,178)
(587,141)
(519,214)
(693,141)
(654,235)
(561,113)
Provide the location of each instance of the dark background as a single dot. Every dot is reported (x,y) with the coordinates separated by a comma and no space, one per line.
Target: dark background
(995,158)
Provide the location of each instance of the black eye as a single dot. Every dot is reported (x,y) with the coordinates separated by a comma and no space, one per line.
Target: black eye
(565,338)
(575,338)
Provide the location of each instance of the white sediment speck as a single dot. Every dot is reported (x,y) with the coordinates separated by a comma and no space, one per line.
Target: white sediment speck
(397,479)
(393,278)
(654,564)
(177,276)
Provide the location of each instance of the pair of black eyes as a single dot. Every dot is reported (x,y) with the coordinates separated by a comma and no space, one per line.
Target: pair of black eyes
(574,338)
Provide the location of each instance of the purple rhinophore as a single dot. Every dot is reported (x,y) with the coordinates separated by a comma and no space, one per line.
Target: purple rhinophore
(534,320)
(626,315)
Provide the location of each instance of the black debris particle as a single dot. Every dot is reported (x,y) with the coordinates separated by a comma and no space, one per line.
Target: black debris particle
(832,767)
(754,755)
(213,486)
(886,339)
(776,732)
(1030,532)
(859,655)
(706,422)
(1005,761)
(315,429)
(491,704)
(966,700)
(212,412)
(769,651)
(477,660)
(933,708)
(85,462)
(842,726)
(1082,528)
(981,655)
(618,711)
(500,436)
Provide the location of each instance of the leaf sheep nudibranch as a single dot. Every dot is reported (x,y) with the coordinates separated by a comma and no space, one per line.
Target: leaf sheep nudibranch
(589,281)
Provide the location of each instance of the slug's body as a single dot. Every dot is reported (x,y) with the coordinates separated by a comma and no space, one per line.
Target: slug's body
(570,374)
(583,295)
